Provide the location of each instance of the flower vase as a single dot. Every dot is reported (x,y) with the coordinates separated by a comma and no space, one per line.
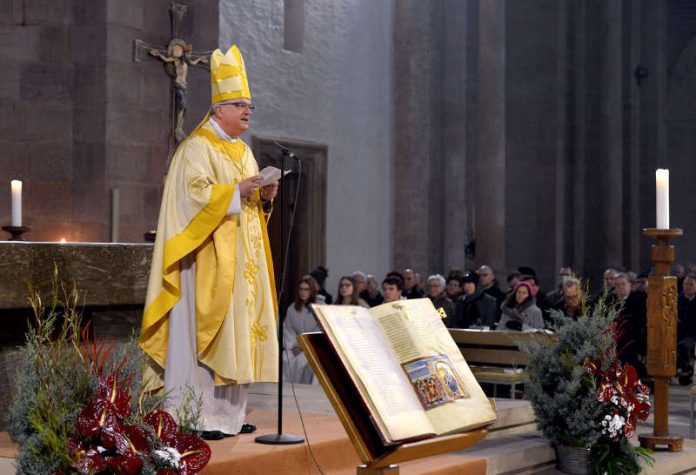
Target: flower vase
(574,460)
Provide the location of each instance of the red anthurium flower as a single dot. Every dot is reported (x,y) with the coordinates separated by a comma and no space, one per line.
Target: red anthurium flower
(110,393)
(137,436)
(195,453)
(129,464)
(164,425)
(94,417)
(88,462)
(126,462)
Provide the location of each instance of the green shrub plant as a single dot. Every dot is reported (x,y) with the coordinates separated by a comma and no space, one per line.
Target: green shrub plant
(569,377)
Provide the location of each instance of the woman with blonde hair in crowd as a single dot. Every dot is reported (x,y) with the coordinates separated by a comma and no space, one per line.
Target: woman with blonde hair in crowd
(348,293)
(572,296)
(299,319)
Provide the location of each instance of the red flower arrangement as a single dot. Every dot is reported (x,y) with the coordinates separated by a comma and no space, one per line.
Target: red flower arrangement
(626,399)
(106,444)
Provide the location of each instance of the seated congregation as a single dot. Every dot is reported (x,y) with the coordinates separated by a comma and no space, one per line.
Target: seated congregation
(475,300)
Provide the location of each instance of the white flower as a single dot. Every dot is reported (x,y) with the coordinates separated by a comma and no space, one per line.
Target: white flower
(169,455)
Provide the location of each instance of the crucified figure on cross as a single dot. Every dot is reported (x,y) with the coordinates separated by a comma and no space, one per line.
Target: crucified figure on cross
(179,55)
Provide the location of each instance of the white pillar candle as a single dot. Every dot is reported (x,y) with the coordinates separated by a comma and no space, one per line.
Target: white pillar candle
(16,186)
(115,212)
(662,198)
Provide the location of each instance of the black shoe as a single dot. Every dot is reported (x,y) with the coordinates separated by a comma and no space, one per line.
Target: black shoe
(213,435)
(247,428)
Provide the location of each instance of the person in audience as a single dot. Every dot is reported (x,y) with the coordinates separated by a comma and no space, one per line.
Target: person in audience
(632,345)
(632,279)
(348,293)
(299,319)
(555,297)
(398,275)
(489,284)
(435,288)
(320,274)
(392,288)
(512,279)
(371,294)
(474,308)
(520,312)
(411,288)
(686,329)
(455,272)
(609,276)
(360,281)
(454,288)
(642,283)
(571,300)
(679,272)
(528,274)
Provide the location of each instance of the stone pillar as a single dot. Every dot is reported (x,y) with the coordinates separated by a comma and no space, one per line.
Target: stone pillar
(417,225)
(577,87)
(454,170)
(491,137)
(631,238)
(603,228)
(534,136)
(652,120)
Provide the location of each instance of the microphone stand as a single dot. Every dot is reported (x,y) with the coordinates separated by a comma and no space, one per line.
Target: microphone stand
(279,438)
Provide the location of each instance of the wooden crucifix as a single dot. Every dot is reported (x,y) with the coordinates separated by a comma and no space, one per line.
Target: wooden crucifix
(177,57)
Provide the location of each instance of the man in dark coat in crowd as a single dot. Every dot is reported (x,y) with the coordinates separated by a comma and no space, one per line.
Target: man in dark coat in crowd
(412,290)
(633,341)
(489,285)
(474,307)
(686,329)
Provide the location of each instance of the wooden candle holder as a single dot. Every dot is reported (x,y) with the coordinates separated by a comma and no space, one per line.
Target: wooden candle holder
(662,337)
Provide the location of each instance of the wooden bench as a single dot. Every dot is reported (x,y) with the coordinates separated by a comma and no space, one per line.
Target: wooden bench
(495,357)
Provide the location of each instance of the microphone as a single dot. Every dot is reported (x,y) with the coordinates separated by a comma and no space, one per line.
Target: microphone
(286,151)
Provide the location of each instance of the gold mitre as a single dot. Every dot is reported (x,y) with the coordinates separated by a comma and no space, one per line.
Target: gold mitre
(228,78)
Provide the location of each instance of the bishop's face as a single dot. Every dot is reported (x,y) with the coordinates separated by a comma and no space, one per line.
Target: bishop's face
(233,116)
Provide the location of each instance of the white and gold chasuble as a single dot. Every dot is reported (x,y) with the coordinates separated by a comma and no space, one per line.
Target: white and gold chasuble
(235,304)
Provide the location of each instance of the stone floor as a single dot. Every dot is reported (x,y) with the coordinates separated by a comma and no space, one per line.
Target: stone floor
(519,448)
(313,399)
(514,446)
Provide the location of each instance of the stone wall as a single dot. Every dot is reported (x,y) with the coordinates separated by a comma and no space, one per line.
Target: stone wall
(79,118)
(36,108)
(337,92)
(523,123)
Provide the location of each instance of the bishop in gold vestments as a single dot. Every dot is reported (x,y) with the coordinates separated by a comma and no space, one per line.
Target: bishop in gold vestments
(210,312)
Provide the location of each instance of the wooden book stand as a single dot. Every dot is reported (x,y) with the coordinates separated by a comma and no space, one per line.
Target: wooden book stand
(377,457)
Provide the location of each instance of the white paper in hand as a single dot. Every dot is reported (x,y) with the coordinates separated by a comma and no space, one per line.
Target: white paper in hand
(270,174)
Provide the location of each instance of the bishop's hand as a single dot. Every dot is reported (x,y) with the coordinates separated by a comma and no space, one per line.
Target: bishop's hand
(268,192)
(247,187)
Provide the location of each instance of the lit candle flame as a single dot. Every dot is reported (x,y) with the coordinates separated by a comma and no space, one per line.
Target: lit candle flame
(63,240)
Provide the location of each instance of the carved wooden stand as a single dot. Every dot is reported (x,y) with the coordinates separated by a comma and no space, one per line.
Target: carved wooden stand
(662,337)
(377,459)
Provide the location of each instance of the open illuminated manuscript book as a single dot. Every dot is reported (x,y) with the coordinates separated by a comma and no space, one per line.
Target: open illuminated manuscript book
(406,368)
